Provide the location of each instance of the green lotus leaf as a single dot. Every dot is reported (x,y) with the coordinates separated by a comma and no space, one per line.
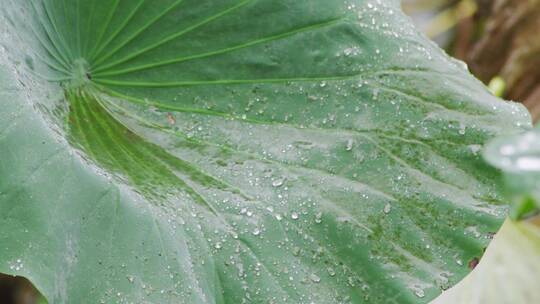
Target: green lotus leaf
(254,151)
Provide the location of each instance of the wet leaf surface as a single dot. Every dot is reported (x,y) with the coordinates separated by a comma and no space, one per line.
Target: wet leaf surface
(240,152)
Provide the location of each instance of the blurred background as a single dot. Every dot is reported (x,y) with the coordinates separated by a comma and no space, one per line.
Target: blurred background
(498,39)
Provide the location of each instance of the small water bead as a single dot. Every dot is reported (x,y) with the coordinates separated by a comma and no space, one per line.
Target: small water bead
(473,230)
(17,265)
(462,130)
(331,271)
(352,51)
(349,145)
(256,232)
(130,278)
(278,182)
(419,292)
(295,216)
(217,245)
(318,218)
(387,208)
(443,280)
(314,278)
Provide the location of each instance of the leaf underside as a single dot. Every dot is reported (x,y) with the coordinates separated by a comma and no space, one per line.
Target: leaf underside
(270,151)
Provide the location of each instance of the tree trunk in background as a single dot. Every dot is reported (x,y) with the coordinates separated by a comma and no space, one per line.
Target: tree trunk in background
(17,290)
(503,39)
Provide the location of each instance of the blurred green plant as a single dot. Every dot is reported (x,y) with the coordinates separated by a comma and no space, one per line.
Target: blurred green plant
(497,86)
(440,16)
(518,157)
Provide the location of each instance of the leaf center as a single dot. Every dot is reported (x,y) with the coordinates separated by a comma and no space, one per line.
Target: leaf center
(80,73)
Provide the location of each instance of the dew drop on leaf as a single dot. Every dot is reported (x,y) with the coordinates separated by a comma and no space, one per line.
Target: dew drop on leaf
(318,217)
(278,182)
(387,208)
(419,292)
(349,145)
(314,278)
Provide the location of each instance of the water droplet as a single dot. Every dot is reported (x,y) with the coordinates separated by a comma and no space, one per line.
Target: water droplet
(278,182)
(387,208)
(331,271)
(217,245)
(461,130)
(318,218)
(314,278)
(419,292)
(131,279)
(349,145)
(256,231)
(295,215)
